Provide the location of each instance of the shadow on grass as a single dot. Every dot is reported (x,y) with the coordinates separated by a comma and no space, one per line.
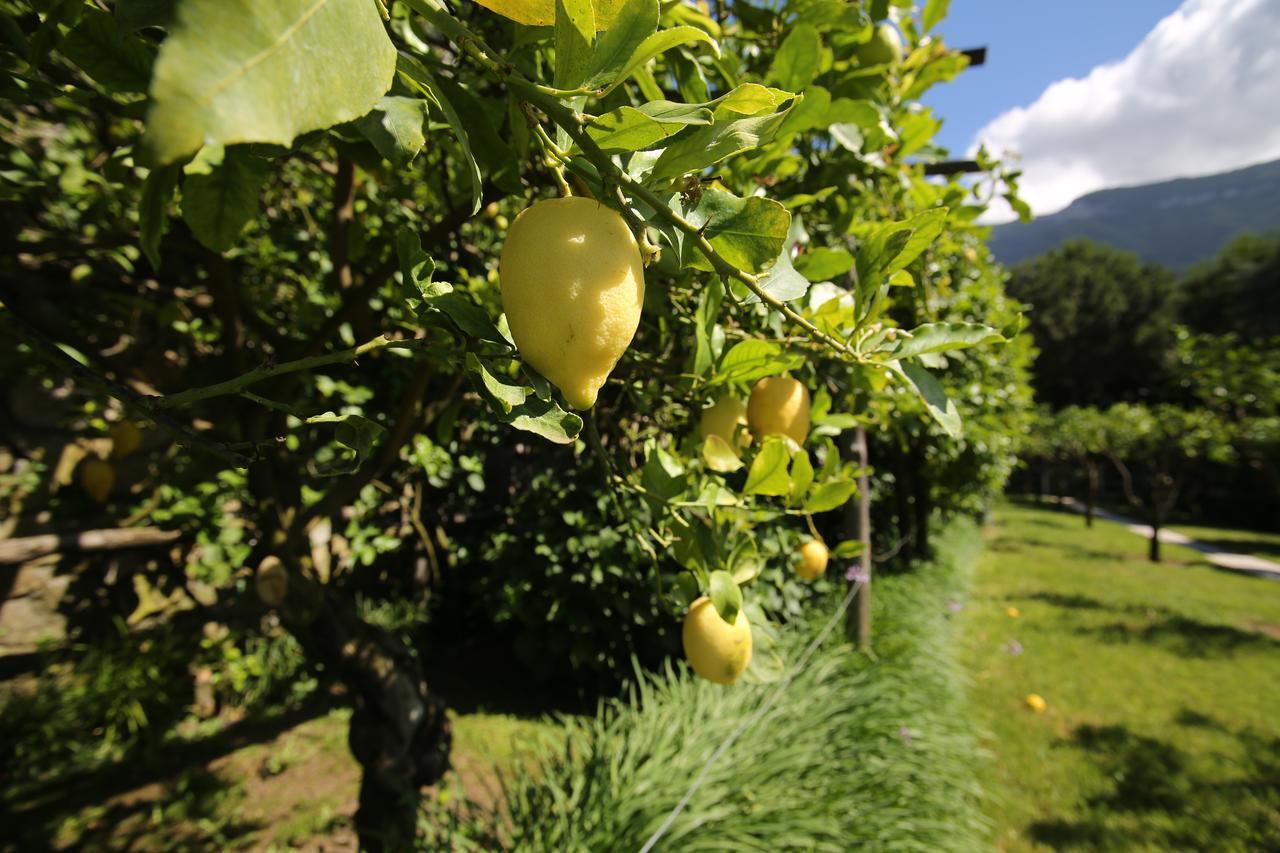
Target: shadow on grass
(1185,637)
(1158,797)
(1017,544)
(1264,549)
(35,814)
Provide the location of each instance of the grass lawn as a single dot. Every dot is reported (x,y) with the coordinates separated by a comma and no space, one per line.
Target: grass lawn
(1264,545)
(1162,729)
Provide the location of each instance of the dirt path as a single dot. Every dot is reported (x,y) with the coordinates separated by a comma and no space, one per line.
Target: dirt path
(1218,557)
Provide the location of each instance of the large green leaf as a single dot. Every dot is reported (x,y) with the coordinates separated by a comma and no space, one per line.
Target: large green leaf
(944,337)
(248,71)
(153,209)
(707,146)
(725,595)
(420,77)
(575,31)
(218,202)
(930,390)
(749,233)
(768,473)
(781,281)
(626,129)
(798,59)
(934,11)
(658,44)
(395,127)
(635,22)
(823,264)
(750,360)
(829,495)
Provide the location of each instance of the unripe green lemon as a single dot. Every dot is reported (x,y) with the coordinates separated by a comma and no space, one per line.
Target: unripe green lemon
(572,287)
(779,405)
(97,478)
(716,650)
(724,418)
(813,560)
(125,438)
(884,47)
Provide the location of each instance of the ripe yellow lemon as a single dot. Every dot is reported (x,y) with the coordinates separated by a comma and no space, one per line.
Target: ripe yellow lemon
(1036,702)
(97,478)
(572,286)
(1013,612)
(884,48)
(813,560)
(271,581)
(125,438)
(723,419)
(716,650)
(779,405)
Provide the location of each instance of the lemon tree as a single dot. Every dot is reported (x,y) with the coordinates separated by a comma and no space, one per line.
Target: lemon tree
(394,288)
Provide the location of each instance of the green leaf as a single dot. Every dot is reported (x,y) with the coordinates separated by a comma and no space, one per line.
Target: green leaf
(709,302)
(889,247)
(725,595)
(768,473)
(394,127)
(219,203)
(669,112)
(502,393)
(470,318)
(575,31)
(153,209)
(749,99)
(749,233)
(941,409)
(625,129)
(115,59)
(707,146)
(944,337)
(798,59)
(829,495)
(846,549)
(934,11)
(416,75)
(354,433)
(662,475)
(226,64)
(635,22)
(823,264)
(751,360)
(416,266)
(781,281)
(801,475)
(547,419)
(719,456)
(658,44)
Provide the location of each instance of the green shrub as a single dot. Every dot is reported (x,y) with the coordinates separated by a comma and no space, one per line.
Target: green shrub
(856,753)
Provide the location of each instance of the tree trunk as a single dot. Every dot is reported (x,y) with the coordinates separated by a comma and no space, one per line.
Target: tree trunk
(399,732)
(860,614)
(1153,551)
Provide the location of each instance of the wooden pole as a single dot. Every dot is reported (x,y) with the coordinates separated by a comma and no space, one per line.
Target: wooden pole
(860,612)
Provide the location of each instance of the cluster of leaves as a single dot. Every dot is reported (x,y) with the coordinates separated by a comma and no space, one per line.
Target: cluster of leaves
(279,223)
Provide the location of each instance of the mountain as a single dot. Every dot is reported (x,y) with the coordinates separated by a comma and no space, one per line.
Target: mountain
(1176,223)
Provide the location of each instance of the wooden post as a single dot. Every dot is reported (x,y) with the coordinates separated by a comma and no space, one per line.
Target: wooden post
(860,612)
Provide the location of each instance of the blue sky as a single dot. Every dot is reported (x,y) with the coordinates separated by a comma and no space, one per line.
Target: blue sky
(1030,44)
(1092,94)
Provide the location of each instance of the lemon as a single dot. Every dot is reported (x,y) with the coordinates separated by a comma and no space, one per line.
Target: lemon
(716,650)
(125,438)
(572,286)
(813,560)
(1013,612)
(723,419)
(271,581)
(97,478)
(779,405)
(1036,702)
(884,47)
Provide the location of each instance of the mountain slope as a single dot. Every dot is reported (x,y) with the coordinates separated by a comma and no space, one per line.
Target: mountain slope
(1175,223)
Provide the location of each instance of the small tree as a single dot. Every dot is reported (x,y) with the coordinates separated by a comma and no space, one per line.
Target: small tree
(1080,434)
(1155,449)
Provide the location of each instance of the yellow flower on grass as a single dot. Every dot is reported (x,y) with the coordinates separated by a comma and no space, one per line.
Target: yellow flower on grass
(1036,702)
(1013,612)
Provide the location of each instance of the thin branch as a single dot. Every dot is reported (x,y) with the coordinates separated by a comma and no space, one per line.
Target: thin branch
(268,371)
(144,407)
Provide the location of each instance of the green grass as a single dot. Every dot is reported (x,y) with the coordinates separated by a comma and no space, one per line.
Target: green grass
(1255,542)
(857,754)
(1163,689)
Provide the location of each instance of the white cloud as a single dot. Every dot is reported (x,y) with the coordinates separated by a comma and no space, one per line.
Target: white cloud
(1200,94)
